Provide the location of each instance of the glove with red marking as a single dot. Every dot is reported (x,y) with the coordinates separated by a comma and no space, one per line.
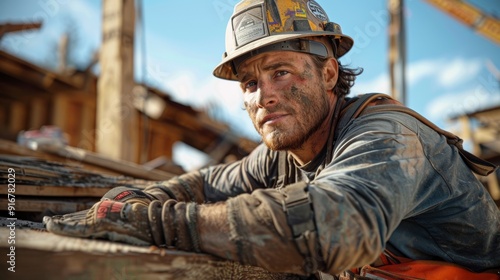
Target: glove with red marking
(170,224)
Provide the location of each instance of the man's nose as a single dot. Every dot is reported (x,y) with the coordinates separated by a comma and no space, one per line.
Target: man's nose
(266,95)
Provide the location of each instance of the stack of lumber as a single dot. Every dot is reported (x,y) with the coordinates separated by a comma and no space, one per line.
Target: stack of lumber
(61,179)
(88,160)
(47,187)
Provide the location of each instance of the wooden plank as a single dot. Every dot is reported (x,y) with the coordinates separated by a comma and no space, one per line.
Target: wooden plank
(123,167)
(3,112)
(57,191)
(89,160)
(16,27)
(31,174)
(12,89)
(157,145)
(73,125)
(38,113)
(160,140)
(88,132)
(41,253)
(42,172)
(11,148)
(59,115)
(69,205)
(17,116)
(33,76)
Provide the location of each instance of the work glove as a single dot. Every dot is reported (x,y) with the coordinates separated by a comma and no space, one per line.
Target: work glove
(169,224)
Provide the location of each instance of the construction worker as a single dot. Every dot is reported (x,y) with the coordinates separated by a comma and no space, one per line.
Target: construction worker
(339,187)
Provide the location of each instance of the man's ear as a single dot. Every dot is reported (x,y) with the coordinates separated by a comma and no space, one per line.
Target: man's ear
(331,73)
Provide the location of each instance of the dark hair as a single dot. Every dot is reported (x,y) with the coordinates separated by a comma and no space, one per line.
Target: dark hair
(346,78)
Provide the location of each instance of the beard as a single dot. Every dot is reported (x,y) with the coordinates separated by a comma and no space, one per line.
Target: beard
(308,118)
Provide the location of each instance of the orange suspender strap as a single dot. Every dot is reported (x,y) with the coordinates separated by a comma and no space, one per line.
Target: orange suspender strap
(429,270)
(394,267)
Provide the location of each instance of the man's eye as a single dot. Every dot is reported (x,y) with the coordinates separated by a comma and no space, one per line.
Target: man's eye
(281,73)
(250,84)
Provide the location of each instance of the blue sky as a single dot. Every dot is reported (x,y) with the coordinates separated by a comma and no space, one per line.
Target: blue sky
(447,62)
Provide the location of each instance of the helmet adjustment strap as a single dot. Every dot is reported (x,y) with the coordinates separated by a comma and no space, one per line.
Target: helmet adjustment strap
(297,45)
(333,27)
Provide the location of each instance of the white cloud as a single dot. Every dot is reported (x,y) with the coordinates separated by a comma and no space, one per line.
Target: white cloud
(182,86)
(458,80)
(458,86)
(378,84)
(445,73)
(82,20)
(88,18)
(420,70)
(457,71)
(457,103)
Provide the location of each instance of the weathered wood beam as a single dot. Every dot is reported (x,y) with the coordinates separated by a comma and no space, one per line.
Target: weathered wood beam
(15,27)
(117,129)
(58,257)
(197,129)
(87,160)
(18,90)
(12,148)
(58,191)
(123,167)
(16,68)
(69,205)
(17,116)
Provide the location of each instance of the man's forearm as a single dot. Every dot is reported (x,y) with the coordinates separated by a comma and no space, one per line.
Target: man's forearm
(187,187)
(214,232)
(251,229)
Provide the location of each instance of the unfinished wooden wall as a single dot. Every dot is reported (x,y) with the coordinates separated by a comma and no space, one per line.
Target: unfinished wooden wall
(75,113)
(31,97)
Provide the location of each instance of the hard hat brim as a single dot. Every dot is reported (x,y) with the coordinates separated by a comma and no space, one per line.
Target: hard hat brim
(225,69)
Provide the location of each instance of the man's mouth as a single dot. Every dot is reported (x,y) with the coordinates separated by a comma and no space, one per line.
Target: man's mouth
(272,118)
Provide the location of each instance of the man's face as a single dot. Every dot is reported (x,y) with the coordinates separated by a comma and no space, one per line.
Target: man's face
(285,96)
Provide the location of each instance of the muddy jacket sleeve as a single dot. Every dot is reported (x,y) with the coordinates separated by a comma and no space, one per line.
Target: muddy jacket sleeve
(256,171)
(219,182)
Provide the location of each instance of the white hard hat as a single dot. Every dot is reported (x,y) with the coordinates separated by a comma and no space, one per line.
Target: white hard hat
(258,26)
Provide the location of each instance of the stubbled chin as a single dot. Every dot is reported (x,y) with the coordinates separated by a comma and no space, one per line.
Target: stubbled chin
(269,133)
(273,139)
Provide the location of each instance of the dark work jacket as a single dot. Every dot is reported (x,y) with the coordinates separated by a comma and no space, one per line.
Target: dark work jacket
(392,183)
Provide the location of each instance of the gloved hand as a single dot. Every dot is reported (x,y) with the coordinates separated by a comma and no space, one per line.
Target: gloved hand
(170,224)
